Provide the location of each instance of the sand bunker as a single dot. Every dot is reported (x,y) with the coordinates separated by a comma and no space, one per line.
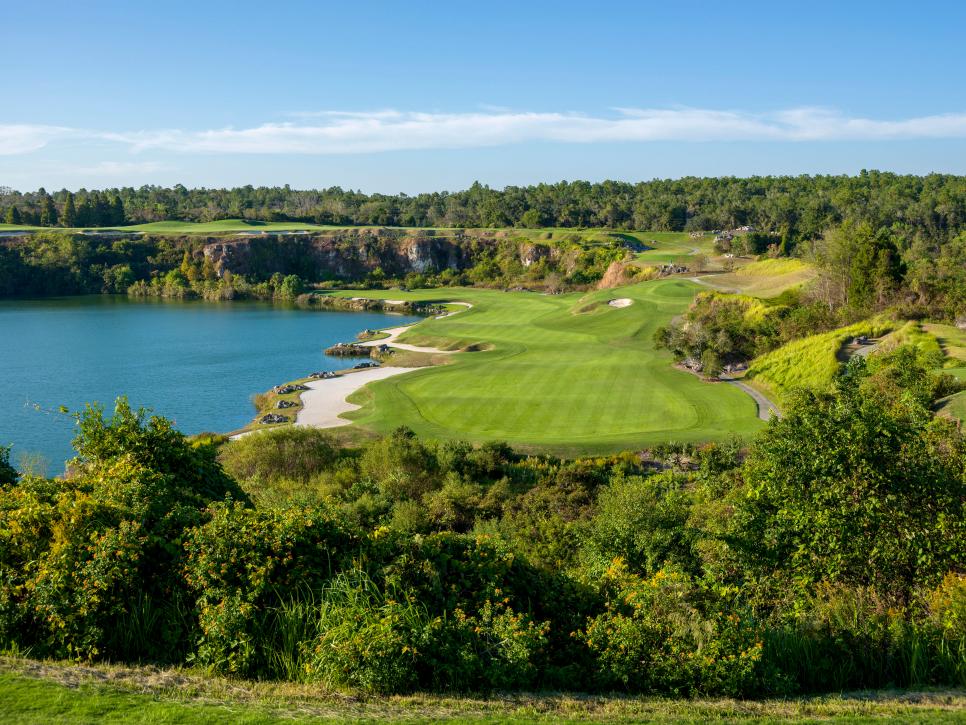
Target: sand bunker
(325,400)
(622,302)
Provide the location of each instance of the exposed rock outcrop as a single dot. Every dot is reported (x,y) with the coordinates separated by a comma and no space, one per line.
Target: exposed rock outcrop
(341,254)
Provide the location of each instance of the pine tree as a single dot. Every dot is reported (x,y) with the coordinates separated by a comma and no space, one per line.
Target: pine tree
(69,217)
(118,216)
(102,210)
(85,213)
(48,212)
(13,216)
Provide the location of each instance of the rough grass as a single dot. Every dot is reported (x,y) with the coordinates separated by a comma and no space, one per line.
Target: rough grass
(811,362)
(46,692)
(951,339)
(765,278)
(955,405)
(554,380)
(912,333)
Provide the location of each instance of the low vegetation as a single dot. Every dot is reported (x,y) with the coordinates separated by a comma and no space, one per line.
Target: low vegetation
(408,564)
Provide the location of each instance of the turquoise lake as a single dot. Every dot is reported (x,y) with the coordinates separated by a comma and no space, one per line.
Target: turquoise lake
(197,363)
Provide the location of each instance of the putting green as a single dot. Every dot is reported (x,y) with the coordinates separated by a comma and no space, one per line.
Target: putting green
(566,373)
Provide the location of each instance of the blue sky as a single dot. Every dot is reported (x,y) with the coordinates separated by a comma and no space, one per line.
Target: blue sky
(416,96)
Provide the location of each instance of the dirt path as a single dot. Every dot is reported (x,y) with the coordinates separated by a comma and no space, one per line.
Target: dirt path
(766,408)
(395,332)
(850,350)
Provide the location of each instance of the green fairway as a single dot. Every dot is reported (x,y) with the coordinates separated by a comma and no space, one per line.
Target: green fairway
(566,373)
(223,226)
(672,246)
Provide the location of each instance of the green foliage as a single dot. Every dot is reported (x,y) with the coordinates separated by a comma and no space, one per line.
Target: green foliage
(798,207)
(379,641)
(882,507)
(8,474)
(242,561)
(730,327)
(663,634)
(92,563)
(828,556)
(642,522)
(842,638)
(291,453)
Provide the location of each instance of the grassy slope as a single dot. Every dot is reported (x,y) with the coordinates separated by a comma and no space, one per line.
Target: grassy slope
(810,362)
(42,693)
(556,379)
(955,406)
(765,278)
(953,343)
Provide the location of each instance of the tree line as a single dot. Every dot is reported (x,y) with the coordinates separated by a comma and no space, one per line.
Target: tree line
(797,206)
(64,209)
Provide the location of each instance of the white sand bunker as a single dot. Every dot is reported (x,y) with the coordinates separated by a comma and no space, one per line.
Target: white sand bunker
(622,302)
(325,400)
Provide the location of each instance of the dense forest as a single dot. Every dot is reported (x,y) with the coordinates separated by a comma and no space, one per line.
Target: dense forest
(882,240)
(830,555)
(800,206)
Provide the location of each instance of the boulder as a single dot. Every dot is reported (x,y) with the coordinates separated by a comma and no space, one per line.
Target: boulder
(286,404)
(348,349)
(288,388)
(273,418)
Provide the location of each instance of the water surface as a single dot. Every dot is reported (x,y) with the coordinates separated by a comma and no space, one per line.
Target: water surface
(197,363)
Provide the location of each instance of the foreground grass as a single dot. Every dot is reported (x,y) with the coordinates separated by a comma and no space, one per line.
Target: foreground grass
(564,373)
(44,692)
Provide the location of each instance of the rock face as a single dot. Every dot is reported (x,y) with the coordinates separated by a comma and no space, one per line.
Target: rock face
(532,253)
(342,254)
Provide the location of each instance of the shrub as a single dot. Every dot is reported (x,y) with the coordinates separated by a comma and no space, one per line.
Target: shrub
(655,637)
(854,637)
(293,453)
(242,562)
(881,507)
(91,563)
(383,641)
(642,521)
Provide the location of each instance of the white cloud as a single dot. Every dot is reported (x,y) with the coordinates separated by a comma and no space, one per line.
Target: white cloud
(21,138)
(114,168)
(355,132)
